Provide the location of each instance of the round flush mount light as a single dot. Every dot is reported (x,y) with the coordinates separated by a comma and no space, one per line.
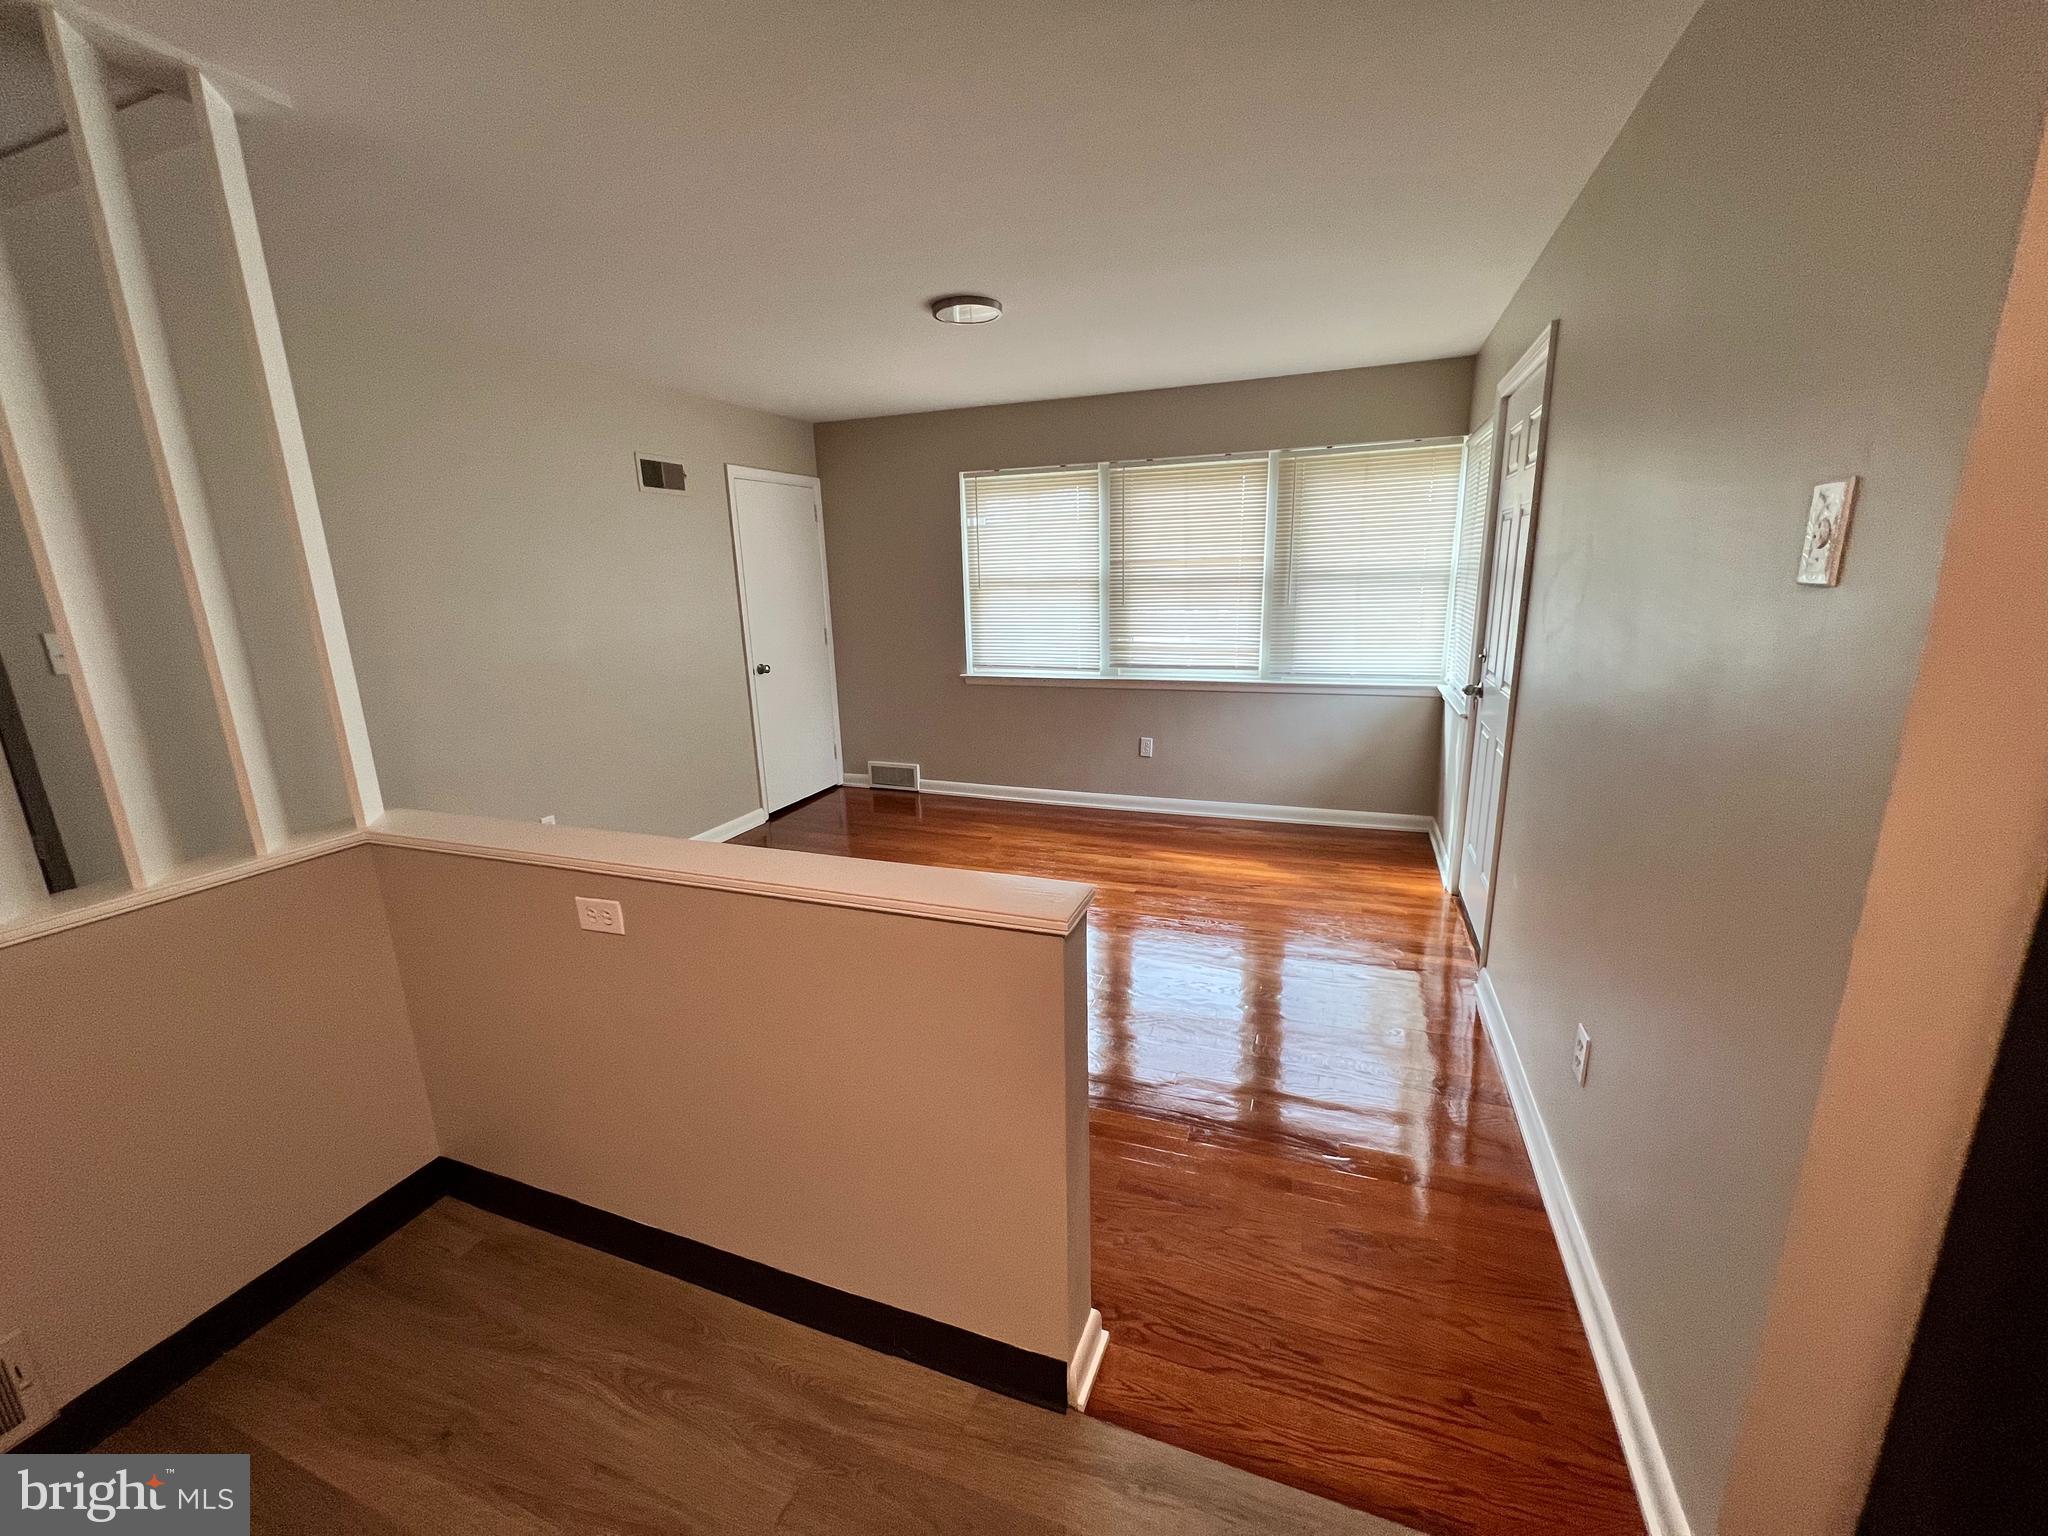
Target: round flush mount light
(966,309)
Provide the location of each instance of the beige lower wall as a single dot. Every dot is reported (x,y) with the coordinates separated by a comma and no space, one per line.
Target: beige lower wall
(1788,269)
(888,1104)
(892,526)
(195,1090)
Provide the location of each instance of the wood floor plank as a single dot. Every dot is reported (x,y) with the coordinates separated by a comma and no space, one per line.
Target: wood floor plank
(1318,1243)
(473,1375)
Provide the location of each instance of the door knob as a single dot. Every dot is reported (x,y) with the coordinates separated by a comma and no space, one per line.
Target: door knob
(1472,690)
(762,669)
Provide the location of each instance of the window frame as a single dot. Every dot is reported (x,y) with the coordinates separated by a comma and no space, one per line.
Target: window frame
(1108,677)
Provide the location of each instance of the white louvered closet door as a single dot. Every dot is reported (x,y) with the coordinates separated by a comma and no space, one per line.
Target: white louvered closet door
(1461,637)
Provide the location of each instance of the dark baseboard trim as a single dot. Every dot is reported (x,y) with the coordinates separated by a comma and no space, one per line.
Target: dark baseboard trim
(955,1351)
(105,1407)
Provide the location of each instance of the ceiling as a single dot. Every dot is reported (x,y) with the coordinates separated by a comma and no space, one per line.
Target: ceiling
(30,111)
(755,201)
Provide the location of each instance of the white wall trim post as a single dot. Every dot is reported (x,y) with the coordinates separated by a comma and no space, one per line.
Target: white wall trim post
(221,135)
(1087,1361)
(103,175)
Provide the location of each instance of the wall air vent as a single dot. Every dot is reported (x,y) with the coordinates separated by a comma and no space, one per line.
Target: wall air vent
(24,1406)
(659,474)
(895,776)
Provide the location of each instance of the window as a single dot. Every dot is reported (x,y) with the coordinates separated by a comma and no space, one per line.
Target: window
(1187,567)
(1300,566)
(1033,547)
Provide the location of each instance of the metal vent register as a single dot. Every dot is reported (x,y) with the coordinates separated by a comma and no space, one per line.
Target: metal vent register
(894,776)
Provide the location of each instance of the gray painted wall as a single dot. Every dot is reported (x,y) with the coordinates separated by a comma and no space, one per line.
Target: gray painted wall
(892,528)
(534,634)
(1789,268)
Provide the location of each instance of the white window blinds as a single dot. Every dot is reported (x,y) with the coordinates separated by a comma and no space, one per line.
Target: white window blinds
(1314,565)
(1363,562)
(1033,550)
(1470,550)
(1187,551)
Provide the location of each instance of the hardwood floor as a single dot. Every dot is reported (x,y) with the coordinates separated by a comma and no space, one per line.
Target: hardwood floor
(1318,1243)
(471,1375)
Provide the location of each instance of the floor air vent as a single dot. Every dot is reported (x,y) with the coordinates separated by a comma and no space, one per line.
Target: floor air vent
(894,776)
(23,1406)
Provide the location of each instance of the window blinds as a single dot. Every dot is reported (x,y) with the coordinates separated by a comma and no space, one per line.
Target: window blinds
(1463,622)
(1033,550)
(1316,565)
(1363,562)
(1187,552)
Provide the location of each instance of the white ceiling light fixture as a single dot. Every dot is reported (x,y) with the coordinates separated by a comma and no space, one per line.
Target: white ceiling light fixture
(966,309)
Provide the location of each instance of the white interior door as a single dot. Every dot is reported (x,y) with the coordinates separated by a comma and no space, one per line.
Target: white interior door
(778,541)
(1519,431)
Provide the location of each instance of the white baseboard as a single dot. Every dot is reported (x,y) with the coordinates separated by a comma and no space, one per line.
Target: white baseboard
(1081,1370)
(1647,1468)
(725,831)
(1443,854)
(1159,805)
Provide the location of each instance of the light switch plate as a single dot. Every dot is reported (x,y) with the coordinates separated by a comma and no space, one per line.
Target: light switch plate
(600,915)
(1827,530)
(60,659)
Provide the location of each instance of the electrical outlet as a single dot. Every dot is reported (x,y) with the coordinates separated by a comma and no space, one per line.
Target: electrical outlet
(1144,746)
(548,820)
(1582,1054)
(599,915)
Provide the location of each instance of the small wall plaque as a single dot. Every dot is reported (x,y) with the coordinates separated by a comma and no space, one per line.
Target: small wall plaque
(1827,530)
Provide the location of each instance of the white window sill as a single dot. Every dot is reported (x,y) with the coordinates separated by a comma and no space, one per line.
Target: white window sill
(1198,684)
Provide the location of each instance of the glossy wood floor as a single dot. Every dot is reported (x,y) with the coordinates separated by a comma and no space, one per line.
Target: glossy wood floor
(473,1377)
(1319,1247)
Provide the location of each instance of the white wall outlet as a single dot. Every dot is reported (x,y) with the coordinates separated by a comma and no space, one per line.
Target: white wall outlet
(60,659)
(1582,1054)
(599,915)
(1144,746)
(548,820)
